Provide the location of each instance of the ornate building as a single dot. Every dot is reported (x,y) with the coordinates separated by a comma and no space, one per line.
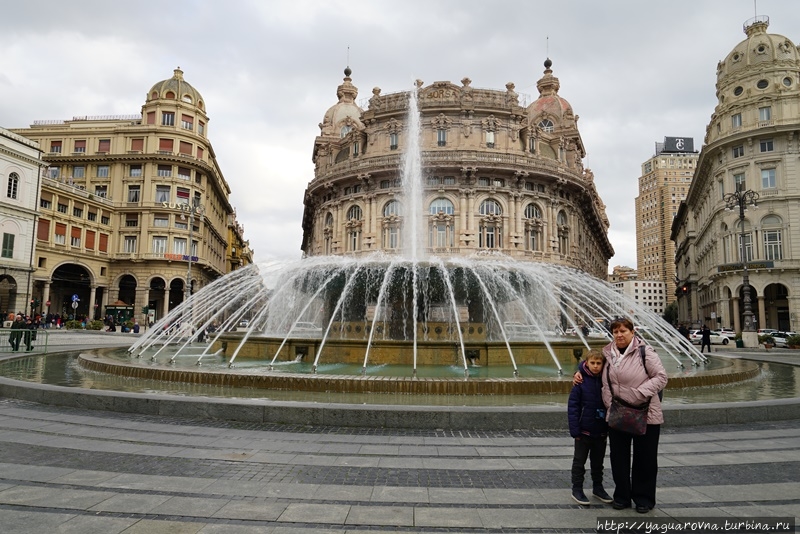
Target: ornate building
(499,174)
(751,144)
(20,171)
(665,179)
(129,205)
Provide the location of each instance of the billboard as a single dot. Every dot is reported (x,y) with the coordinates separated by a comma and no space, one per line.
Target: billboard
(678,144)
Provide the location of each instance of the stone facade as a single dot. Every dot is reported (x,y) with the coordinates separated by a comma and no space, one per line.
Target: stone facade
(126,202)
(499,175)
(20,172)
(751,144)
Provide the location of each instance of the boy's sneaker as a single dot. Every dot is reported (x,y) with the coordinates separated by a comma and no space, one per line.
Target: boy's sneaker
(602,495)
(580,497)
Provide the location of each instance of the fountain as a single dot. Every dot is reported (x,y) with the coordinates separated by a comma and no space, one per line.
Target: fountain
(441,325)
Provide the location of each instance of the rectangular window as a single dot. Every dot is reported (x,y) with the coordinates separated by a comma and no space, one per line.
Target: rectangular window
(134,193)
(766,145)
(62,208)
(166,145)
(179,245)
(528,186)
(201,127)
(75,237)
(393,237)
(187,122)
(151,117)
(441,137)
(102,171)
(43,230)
(104,219)
(167,119)
(773,250)
(200,153)
(55,147)
(129,244)
(182,195)
(193,252)
(765,114)
(738,151)
(736,120)
(484,182)
(185,148)
(101,191)
(91,216)
(103,146)
(90,239)
(768,179)
(198,178)
(8,245)
(161,220)
(77,212)
(159,245)
(385,184)
(392,141)
(103,245)
(434,180)
(181,223)
(79,172)
(80,145)
(748,247)
(449,180)
(738,182)
(163,193)
(135,171)
(60,237)
(137,145)
(45,204)
(499,182)
(54,173)
(165,170)
(131,220)
(490,139)
(184,173)
(532,145)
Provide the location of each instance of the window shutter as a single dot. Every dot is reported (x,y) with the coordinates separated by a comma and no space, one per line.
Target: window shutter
(43,232)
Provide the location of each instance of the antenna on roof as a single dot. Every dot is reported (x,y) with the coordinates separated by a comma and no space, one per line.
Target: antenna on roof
(348,55)
(547,46)
(755,7)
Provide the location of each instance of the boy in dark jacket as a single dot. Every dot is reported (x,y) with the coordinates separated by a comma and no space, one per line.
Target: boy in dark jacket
(587,425)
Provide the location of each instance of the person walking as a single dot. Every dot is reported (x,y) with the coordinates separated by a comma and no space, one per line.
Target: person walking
(17,328)
(588,427)
(635,375)
(705,339)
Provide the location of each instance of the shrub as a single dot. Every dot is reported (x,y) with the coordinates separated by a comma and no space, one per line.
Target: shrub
(766,339)
(74,325)
(95,325)
(793,341)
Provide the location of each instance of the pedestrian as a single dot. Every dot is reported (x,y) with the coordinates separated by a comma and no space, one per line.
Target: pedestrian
(635,376)
(17,328)
(682,330)
(29,334)
(587,426)
(705,339)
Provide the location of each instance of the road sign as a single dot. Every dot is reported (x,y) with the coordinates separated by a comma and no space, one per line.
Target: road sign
(75,298)
(47,303)
(75,305)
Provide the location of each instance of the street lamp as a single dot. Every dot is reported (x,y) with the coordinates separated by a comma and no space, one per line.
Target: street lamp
(742,199)
(195,207)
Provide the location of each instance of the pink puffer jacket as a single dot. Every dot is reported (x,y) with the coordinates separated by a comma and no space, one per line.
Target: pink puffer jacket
(630,382)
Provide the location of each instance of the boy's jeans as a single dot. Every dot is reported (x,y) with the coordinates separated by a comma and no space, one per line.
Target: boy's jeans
(593,448)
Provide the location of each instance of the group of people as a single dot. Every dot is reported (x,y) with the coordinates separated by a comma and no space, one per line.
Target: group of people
(23,329)
(629,370)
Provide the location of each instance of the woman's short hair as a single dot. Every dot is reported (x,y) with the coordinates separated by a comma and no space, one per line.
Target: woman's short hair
(621,321)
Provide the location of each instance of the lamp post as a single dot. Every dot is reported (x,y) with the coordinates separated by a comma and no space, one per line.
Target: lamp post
(195,207)
(742,199)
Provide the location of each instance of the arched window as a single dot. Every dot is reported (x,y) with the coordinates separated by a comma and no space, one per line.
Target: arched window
(533,227)
(354,213)
(490,207)
(562,218)
(345,130)
(391,208)
(772,234)
(441,205)
(547,125)
(329,219)
(13,185)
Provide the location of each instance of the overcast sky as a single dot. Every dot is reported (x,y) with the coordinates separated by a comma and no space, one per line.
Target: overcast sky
(634,71)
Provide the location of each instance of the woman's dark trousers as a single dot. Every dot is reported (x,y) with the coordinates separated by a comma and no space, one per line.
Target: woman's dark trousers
(635,483)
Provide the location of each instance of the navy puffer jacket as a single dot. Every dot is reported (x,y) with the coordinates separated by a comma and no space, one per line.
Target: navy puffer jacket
(584,401)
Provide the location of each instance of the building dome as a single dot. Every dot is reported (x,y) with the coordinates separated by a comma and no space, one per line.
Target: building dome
(176,88)
(760,51)
(345,113)
(550,106)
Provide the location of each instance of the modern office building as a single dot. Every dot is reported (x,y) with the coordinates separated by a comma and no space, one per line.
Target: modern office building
(20,173)
(663,185)
(132,207)
(750,153)
(499,174)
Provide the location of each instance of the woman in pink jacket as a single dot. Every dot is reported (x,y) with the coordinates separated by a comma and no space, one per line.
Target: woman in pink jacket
(636,382)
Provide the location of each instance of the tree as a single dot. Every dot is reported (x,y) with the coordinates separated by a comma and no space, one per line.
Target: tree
(671,313)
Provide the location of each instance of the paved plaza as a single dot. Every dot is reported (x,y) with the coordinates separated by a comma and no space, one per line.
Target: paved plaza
(74,470)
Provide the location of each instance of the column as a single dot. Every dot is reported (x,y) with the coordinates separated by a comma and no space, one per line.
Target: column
(46,295)
(737,326)
(762,314)
(725,312)
(92,295)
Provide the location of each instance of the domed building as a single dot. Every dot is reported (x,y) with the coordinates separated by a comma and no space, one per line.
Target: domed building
(499,174)
(131,208)
(736,221)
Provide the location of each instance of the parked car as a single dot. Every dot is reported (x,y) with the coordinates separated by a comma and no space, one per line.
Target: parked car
(696,337)
(764,331)
(780,338)
(306,329)
(727,332)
